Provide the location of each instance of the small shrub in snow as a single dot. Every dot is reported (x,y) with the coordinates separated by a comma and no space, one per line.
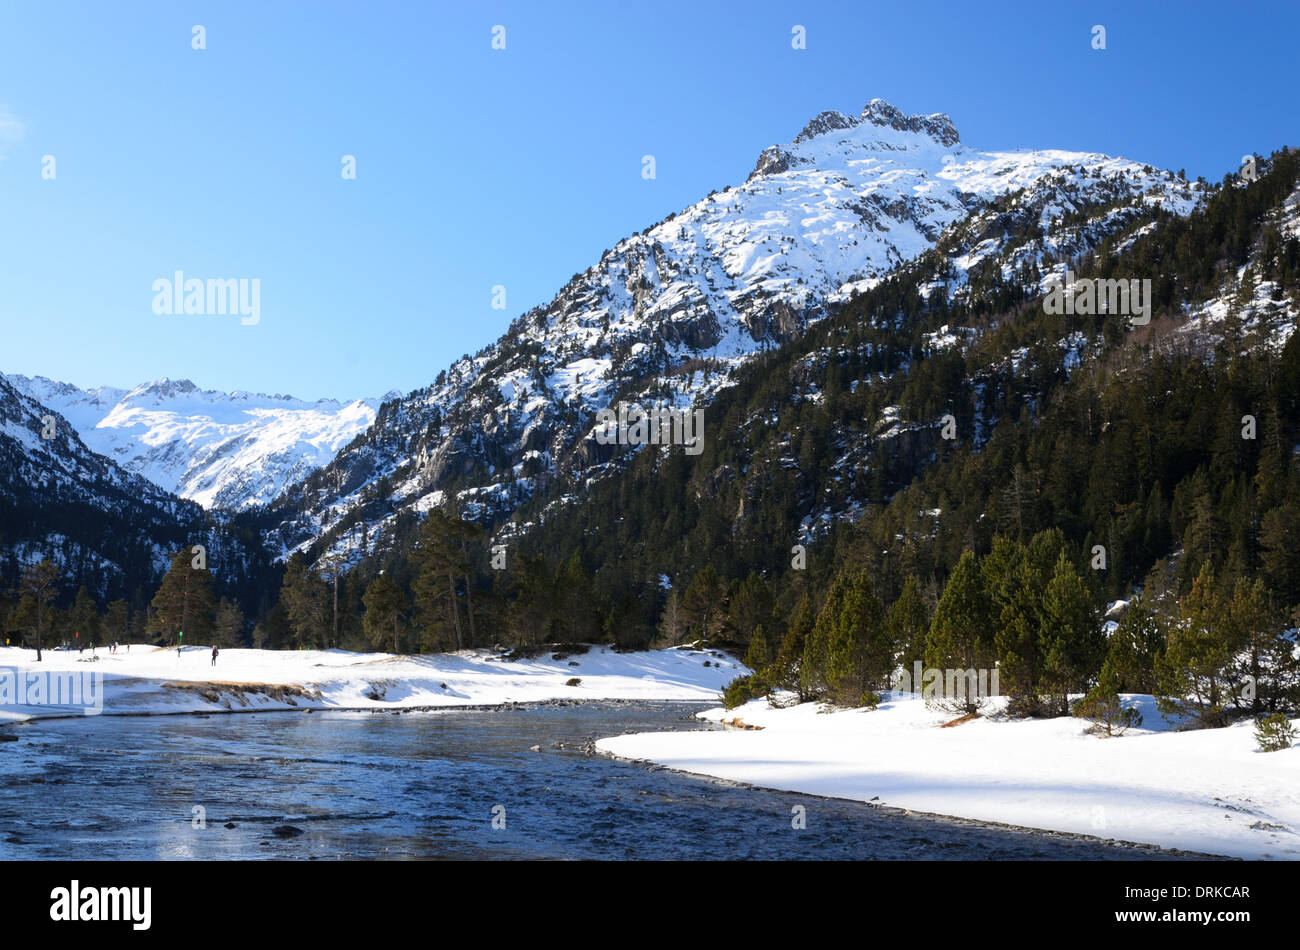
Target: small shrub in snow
(738,692)
(575,681)
(869,700)
(1103,707)
(1274,733)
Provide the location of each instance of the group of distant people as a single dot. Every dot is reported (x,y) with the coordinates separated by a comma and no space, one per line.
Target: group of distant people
(112,648)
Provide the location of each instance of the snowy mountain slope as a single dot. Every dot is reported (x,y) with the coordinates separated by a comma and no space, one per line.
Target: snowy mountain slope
(666,313)
(1256,304)
(222,450)
(107,528)
(63,501)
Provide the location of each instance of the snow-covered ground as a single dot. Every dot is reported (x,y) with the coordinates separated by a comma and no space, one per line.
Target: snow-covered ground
(1203,790)
(158,680)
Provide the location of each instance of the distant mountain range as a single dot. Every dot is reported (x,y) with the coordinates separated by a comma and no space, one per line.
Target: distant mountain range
(222,450)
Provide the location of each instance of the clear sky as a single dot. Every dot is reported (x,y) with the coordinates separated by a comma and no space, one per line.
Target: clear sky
(478,167)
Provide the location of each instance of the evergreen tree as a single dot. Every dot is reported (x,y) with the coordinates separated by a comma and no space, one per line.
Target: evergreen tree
(961,634)
(229,627)
(440,561)
(1071,642)
(578,610)
(848,654)
(757,656)
(749,606)
(83,617)
(184,602)
(531,614)
(36,591)
(117,622)
(908,624)
(704,604)
(386,607)
(1195,673)
(1103,706)
(785,669)
(1265,668)
(1135,646)
(672,622)
(307,603)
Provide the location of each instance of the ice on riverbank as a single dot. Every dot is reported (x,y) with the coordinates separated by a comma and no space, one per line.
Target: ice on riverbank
(1204,790)
(159,680)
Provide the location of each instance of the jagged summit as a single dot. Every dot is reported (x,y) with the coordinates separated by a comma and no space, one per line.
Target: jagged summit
(881,112)
(937,125)
(164,388)
(936,128)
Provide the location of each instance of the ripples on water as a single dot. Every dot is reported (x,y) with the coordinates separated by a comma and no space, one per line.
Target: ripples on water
(425,785)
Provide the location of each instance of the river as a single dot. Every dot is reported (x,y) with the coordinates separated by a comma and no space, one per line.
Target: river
(455,785)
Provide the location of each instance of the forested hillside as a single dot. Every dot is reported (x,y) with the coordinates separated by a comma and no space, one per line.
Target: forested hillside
(940,470)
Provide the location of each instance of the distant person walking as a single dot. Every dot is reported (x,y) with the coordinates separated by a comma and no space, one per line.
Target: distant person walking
(215,651)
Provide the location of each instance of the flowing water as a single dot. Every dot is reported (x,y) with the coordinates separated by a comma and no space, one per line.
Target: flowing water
(455,784)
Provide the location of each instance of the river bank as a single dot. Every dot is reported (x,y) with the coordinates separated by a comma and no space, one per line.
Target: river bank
(1203,790)
(157,681)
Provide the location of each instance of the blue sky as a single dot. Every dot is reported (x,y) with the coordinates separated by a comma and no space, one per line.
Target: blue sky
(478,167)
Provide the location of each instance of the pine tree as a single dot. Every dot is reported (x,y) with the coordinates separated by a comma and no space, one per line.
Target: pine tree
(848,654)
(578,610)
(1071,642)
(961,634)
(307,603)
(757,656)
(749,606)
(672,623)
(229,628)
(1265,668)
(37,590)
(531,614)
(83,617)
(386,607)
(908,624)
(440,561)
(704,604)
(117,622)
(184,602)
(1195,673)
(1103,706)
(785,669)
(1134,647)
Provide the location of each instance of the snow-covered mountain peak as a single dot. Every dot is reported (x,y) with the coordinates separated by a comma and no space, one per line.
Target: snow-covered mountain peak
(228,450)
(162,389)
(936,125)
(666,313)
(879,127)
(876,116)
